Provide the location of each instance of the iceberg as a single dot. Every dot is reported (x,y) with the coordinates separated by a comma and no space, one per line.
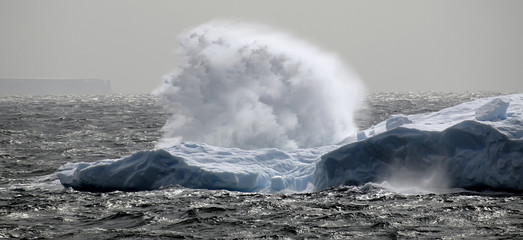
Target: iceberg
(42,87)
(198,165)
(451,148)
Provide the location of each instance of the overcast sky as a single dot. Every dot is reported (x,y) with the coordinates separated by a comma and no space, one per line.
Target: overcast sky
(400,45)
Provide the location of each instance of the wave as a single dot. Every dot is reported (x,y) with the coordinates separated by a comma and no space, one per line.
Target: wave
(251,86)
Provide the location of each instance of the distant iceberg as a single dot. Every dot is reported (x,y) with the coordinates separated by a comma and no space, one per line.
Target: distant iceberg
(54,87)
(450,148)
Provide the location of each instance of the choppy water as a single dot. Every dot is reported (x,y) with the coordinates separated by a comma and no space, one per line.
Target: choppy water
(39,134)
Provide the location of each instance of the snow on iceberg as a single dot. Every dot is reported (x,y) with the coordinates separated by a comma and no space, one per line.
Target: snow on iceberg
(511,125)
(448,148)
(492,111)
(396,121)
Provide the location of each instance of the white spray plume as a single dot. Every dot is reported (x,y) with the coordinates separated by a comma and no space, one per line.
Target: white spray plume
(249,86)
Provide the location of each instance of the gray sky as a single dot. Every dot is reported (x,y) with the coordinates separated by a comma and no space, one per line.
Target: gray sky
(441,45)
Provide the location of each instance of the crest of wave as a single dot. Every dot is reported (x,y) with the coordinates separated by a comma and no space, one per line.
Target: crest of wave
(250,86)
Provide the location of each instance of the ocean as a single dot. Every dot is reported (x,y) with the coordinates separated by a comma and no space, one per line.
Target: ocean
(41,133)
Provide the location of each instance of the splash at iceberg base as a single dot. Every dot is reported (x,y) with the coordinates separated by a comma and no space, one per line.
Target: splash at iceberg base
(468,155)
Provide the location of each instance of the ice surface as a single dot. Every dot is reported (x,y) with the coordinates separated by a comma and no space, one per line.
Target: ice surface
(448,148)
(395,121)
(492,111)
(440,120)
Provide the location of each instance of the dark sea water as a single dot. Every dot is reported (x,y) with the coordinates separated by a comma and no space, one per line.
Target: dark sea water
(40,134)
